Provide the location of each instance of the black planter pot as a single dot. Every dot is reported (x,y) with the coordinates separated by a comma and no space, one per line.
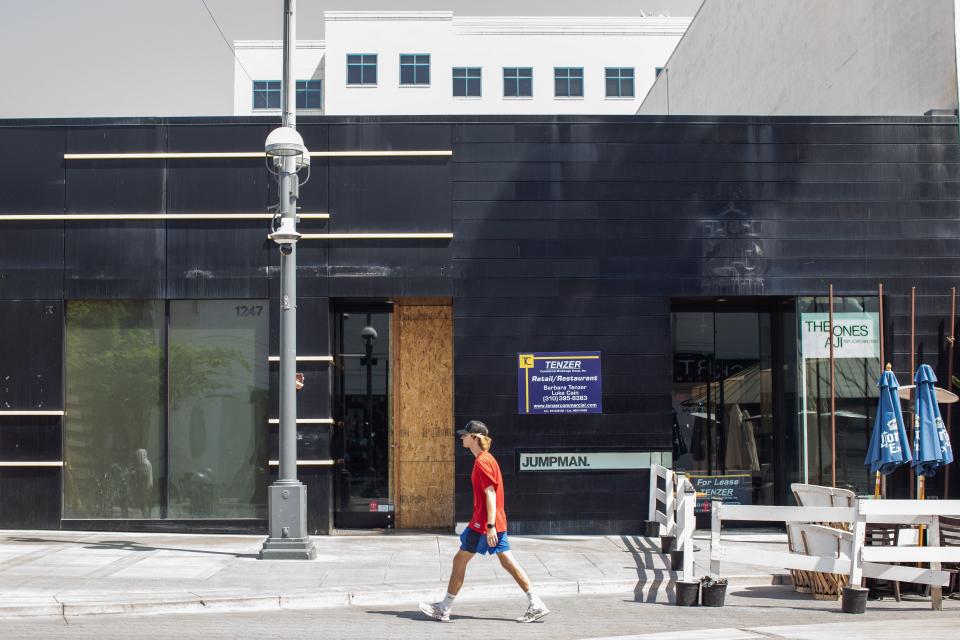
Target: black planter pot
(688,593)
(713,595)
(668,544)
(676,560)
(652,529)
(854,600)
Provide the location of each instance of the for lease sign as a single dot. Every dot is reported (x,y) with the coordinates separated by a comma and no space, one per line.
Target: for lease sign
(559,382)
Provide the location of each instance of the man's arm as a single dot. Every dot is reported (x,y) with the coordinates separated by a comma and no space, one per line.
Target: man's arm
(490,493)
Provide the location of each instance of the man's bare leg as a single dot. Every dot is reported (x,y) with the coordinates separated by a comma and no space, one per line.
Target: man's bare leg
(507,562)
(441,610)
(458,571)
(537,609)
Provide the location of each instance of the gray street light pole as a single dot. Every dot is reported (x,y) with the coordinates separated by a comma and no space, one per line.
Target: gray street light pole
(287,497)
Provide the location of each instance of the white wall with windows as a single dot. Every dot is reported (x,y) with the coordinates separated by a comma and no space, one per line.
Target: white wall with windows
(411,63)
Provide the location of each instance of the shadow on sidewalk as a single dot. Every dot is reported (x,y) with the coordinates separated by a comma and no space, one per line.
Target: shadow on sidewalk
(772,591)
(417,615)
(123,545)
(643,552)
(787,598)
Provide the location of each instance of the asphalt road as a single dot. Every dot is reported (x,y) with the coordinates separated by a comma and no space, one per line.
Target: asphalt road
(573,618)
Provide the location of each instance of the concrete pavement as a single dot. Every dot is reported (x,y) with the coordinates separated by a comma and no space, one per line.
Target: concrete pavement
(59,573)
(749,613)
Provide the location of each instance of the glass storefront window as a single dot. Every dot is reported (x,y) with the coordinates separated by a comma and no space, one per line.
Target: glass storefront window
(857,368)
(113,428)
(156,387)
(218,354)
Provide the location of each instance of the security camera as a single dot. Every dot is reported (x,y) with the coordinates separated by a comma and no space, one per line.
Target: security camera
(286,249)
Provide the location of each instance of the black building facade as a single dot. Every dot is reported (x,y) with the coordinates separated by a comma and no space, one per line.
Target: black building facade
(137,389)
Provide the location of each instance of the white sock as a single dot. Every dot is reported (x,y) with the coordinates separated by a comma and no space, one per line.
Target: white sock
(448,601)
(533,599)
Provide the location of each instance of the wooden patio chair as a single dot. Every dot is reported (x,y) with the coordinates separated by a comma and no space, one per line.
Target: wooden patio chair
(814,495)
(802,581)
(827,542)
(882,535)
(950,537)
(824,586)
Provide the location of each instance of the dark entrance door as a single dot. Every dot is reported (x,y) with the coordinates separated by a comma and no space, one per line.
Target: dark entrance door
(729,422)
(363,482)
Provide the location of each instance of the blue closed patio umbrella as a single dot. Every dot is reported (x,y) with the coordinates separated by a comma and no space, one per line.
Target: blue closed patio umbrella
(889,446)
(931,443)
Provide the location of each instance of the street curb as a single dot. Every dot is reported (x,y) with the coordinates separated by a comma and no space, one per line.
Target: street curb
(656,588)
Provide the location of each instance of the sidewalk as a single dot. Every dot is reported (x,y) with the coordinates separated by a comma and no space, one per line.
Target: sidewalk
(59,573)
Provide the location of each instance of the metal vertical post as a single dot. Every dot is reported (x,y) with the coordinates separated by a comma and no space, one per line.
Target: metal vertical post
(833,402)
(950,340)
(913,371)
(288,538)
(879,484)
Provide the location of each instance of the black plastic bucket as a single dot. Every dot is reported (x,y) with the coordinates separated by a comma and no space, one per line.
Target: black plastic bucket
(713,594)
(688,593)
(668,544)
(854,600)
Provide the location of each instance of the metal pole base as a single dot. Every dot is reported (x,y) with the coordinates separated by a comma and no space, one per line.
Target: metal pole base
(288,538)
(288,549)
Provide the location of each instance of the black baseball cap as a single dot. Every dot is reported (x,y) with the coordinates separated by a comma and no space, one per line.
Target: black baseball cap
(474,428)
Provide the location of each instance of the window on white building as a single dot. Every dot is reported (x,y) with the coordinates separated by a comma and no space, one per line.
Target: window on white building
(466,82)
(268,94)
(415,68)
(309,94)
(361,68)
(619,82)
(568,82)
(517,82)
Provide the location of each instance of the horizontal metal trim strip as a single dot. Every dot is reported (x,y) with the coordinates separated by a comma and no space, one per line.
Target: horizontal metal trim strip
(306,358)
(31,463)
(153,216)
(32,413)
(376,236)
(307,463)
(251,154)
(306,420)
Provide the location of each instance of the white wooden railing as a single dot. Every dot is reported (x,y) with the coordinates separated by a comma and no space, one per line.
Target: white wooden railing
(677,519)
(851,557)
(666,519)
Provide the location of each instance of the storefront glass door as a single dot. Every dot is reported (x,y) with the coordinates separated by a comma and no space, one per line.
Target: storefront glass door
(723,409)
(364,491)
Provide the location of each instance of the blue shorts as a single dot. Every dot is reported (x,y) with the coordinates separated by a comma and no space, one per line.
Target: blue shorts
(474,542)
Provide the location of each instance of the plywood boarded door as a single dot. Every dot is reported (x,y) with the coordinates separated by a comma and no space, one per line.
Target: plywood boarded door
(423,432)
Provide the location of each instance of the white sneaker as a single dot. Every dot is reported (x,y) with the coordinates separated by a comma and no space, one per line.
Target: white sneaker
(534,613)
(436,611)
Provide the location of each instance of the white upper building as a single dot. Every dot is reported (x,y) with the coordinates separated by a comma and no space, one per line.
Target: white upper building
(397,63)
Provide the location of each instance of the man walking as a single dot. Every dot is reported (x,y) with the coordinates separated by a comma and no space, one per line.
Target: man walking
(487,530)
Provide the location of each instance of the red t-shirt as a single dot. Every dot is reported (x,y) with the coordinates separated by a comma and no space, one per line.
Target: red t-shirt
(486,473)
